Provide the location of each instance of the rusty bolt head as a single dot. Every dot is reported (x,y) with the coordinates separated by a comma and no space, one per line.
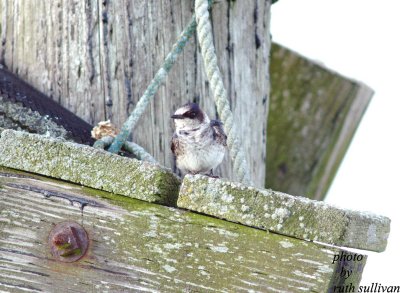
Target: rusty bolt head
(68,241)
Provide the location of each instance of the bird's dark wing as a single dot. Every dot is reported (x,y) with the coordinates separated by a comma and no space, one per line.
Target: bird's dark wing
(219,133)
(175,148)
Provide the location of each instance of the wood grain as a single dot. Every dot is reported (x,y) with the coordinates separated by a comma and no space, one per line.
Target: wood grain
(314,113)
(97,57)
(143,247)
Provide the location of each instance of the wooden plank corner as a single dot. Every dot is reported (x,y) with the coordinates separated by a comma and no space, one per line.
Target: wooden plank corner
(313,114)
(284,214)
(88,166)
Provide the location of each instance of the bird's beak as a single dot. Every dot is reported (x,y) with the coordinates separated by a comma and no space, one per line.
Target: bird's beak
(177,116)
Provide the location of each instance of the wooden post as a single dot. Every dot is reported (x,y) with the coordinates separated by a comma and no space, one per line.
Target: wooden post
(97,57)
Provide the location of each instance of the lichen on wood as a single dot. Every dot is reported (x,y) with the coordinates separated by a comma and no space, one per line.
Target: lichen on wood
(139,246)
(285,214)
(88,166)
(15,116)
(314,113)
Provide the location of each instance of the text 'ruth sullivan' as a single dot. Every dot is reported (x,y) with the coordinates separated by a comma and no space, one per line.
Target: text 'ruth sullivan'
(373,288)
(346,271)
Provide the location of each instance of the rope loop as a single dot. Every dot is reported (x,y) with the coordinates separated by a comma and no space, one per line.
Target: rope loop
(201,22)
(135,149)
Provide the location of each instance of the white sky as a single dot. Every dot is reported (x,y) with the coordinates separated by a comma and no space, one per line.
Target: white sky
(359,39)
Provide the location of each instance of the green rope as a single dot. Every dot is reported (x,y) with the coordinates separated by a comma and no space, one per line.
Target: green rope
(201,20)
(139,152)
(151,90)
(205,36)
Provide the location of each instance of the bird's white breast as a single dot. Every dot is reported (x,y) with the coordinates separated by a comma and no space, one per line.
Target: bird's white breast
(201,152)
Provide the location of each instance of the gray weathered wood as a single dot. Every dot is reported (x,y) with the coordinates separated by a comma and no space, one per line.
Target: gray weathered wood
(24,108)
(88,166)
(97,57)
(282,213)
(314,114)
(137,246)
(266,209)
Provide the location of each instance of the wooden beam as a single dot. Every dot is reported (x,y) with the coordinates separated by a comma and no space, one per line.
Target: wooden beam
(265,209)
(314,113)
(138,246)
(285,214)
(88,166)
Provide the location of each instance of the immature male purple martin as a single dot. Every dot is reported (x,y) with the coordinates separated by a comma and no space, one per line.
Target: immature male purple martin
(198,143)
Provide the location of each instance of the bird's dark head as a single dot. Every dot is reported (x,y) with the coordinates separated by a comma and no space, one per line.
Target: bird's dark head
(189,116)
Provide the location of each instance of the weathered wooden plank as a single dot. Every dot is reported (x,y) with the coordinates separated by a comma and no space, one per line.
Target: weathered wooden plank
(24,108)
(282,213)
(138,246)
(88,166)
(314,114)
(97,57)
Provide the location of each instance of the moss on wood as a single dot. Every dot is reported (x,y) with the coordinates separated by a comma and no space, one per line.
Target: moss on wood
(314,113)
(137,246)
(88,166)
(285,214)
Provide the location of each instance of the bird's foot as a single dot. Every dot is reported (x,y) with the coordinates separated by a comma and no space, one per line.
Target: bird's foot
(212,175)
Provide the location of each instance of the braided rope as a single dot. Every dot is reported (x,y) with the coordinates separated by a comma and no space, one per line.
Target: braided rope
(139,152)
(129,146)
(151,90)
(205,36)
(201,20)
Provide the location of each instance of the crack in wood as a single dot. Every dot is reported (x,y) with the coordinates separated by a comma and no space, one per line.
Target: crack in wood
(48,194)
(18,252)
(21,287)
(35,273)
(9,175)
(108,271)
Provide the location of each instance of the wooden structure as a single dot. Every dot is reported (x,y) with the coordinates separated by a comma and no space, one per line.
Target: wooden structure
(140,246)
(152,247)
(96,58)
(314,113)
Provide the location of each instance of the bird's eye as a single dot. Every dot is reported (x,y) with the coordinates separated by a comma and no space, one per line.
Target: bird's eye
(192,114)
